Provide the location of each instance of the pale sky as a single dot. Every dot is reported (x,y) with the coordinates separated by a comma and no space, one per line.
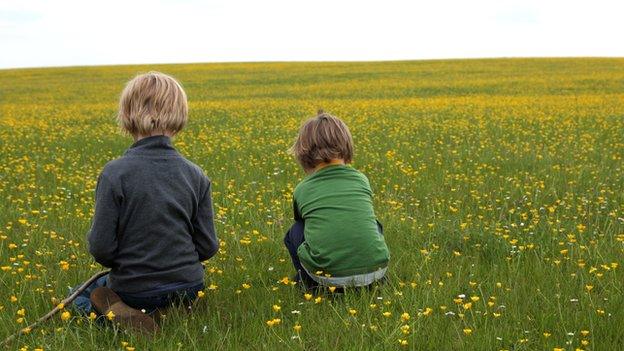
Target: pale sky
(79,32)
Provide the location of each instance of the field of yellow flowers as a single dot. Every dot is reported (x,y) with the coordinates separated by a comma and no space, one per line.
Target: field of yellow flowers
(500,184)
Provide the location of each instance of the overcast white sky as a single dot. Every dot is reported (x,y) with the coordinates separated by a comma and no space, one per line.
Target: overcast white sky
(81,32)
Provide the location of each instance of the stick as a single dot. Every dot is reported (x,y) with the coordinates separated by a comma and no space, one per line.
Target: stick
(49,315)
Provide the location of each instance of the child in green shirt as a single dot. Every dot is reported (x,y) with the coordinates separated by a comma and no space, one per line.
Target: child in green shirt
(336,239)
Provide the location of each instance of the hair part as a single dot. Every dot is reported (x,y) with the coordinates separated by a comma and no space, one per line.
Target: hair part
(152,103)
(321,139)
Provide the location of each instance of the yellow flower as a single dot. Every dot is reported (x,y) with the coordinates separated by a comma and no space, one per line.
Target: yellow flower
(318,299)
(387,314)
(246,286)
(212,287)
(307,296)
(467,331)
(352,312)
(110,315)
(584,332)
(474,298)
(405,329)
(21,312)
(65,315)
(405,317)
(403,342)
(277,308)
(546,334)
(297,328)
(92,316)
(332,288)
(60,306)
(273,322)
(201,294)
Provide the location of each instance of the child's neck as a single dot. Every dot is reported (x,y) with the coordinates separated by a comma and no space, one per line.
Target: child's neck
(333,161)
(138,137)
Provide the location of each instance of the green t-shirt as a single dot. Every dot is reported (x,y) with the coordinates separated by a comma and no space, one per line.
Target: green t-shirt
(341,234)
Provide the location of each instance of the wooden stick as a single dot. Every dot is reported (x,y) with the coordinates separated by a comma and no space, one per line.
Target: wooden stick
(49,315)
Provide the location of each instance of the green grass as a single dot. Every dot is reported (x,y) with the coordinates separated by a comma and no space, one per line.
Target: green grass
(500,180)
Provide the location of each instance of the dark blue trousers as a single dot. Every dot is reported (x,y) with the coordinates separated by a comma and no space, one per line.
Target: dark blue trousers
(146,301)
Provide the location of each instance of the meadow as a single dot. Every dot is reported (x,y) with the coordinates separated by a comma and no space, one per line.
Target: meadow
(500,184)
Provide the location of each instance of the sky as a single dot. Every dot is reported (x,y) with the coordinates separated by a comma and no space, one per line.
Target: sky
(37,33)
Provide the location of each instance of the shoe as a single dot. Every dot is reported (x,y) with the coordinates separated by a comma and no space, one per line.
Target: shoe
(105,301)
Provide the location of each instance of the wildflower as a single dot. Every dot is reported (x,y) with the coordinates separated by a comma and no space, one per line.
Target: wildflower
(307,296)
(277,308)
(403,342)
(297,328)
(584,332)
(273,322)
(201,294)
(92,316)
(21,312)
(405,317)
(332,289)
(467,331)
(212,287)
(246,286)
(387,314)
(546,334)
(405,329)
(65,315)
(318,300)
(110,315)
(352,312)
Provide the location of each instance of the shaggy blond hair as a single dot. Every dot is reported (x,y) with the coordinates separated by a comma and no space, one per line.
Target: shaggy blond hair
(321,139)
(152,103)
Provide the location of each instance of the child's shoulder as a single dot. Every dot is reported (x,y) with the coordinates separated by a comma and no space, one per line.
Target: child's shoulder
(125,165)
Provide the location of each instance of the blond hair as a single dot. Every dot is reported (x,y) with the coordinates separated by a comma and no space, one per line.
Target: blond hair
(321,139)
(152,103)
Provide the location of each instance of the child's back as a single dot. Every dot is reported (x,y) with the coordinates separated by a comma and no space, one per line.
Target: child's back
(341,233)
(161,204)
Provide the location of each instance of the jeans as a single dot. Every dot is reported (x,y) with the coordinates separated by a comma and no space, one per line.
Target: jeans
(148,301)
(293,239)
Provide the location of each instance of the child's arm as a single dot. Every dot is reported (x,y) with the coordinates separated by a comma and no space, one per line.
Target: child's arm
(204,236)
(102,236)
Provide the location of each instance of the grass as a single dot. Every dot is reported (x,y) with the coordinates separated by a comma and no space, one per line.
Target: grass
(499,183)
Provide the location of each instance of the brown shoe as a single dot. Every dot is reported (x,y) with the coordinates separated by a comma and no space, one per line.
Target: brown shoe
(105,301)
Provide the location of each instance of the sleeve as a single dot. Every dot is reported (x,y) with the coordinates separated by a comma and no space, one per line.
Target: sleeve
(102,237)
(204,235)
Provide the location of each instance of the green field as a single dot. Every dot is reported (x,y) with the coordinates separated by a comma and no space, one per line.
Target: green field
(500,181)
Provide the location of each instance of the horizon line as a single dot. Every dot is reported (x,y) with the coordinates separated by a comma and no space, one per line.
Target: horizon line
(121,64)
